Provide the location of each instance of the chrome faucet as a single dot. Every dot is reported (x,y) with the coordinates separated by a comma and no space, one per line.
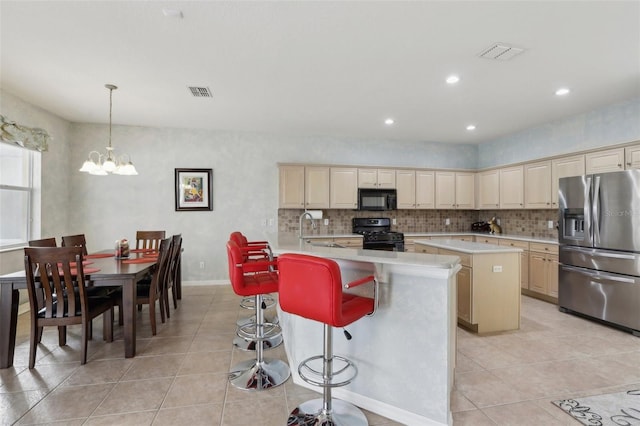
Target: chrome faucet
(302,216)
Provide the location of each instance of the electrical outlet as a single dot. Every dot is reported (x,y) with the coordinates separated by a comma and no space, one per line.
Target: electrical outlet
(394,221)
(447,222)
(326,222)
(550,224)
(201,265)
(271,222)
(497,268)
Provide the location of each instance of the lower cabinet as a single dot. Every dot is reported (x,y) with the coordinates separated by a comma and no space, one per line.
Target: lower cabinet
(543,270)
(488,289)
(524,258)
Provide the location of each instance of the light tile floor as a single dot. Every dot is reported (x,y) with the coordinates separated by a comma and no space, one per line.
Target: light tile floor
(180,375)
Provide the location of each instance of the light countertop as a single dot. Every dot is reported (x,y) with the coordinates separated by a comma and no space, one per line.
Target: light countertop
(417,235)
(468,247)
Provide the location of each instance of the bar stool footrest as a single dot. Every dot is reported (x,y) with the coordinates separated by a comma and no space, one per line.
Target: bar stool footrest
(249,302)
(248,331)
(251,344)
(315,377)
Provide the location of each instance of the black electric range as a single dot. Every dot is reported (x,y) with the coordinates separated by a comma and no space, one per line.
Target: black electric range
(377,234)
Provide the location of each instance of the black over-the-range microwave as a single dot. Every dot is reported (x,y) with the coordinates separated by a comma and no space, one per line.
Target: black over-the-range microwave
(377,199)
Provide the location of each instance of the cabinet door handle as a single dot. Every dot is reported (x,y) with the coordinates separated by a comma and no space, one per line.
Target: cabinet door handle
(629,163)
(619,165)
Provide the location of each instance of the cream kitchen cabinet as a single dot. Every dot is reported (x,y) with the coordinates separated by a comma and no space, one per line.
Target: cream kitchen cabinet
(537,185)
(349,242)
(564,167)
(632,157)
(512,188)
(291,195)
(454,190)
(416,189)
(610,160)
(488,189)
(486,240)
(524,258)
(316,187)
(377,178)
(344,188)
(406,189)
(543,269)
(487,285)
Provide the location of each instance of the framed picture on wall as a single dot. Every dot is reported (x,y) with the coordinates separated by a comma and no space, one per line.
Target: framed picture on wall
(194,189)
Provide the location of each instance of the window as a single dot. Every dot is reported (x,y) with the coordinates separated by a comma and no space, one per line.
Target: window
(19,195)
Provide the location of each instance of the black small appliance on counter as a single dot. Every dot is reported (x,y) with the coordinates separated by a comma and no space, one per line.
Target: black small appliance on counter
(377,234)
(480,227)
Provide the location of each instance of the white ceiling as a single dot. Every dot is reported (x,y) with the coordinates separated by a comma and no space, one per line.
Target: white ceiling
(322,68)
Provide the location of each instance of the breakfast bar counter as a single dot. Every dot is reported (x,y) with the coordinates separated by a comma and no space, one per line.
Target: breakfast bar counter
(405,353)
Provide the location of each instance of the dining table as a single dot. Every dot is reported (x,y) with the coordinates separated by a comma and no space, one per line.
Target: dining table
(105,271)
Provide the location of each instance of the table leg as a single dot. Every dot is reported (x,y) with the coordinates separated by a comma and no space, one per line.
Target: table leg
(8,323)
(129,302)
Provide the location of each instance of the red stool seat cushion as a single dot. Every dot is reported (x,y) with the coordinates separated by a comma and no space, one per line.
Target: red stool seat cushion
(250,278)
(311,287)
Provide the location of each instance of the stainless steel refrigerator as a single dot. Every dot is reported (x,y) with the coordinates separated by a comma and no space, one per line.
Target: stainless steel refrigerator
(599,236)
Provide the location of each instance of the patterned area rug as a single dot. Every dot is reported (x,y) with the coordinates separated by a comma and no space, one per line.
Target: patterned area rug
(613,409)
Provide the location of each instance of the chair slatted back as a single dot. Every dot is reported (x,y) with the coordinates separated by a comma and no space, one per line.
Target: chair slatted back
(45,242)
(59,273)
(75,241)
(149,240)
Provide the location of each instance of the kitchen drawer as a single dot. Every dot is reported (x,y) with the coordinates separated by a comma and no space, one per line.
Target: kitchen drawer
(543,248)
(487,240)
(524,245)
(465,258)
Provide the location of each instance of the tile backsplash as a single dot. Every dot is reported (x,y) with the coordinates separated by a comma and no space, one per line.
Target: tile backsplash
(527,223)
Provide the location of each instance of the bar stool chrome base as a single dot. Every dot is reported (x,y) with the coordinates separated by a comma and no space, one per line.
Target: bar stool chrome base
(312,413)
(250,344)
(255,376)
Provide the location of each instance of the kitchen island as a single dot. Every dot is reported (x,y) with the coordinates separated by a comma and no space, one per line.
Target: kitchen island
(405,353)
(488,288)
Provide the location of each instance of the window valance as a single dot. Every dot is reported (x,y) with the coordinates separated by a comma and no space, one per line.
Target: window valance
(26,137)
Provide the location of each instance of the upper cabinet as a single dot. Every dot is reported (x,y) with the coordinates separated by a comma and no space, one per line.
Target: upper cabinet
(316,187)
(344,188)
(377,178)
(454,190)
(291,187)
(512,188)
(537,184)
(610,160)
(573,165)
(416,189)
(632,157)
(488,189)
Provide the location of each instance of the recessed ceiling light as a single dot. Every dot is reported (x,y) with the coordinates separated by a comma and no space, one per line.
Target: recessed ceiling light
(389,121)
(562,91)
(471,127)
(453,79)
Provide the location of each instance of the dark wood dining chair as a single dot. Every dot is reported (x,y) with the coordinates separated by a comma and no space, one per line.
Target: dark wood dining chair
(172,276)
(45,242)
(58,271)
(149,240)
(75,241)
(151,291)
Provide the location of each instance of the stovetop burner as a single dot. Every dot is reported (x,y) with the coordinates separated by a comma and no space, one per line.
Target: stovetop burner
(376,230)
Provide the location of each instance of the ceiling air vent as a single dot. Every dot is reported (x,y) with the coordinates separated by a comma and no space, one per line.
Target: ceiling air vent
(500,52)
(200,92)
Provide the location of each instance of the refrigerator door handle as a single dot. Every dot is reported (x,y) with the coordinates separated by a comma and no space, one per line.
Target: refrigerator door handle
(588,235)
(599,253)
(595,203)
(601,276)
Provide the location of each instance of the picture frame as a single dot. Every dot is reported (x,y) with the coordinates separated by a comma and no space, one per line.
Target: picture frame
(194,189)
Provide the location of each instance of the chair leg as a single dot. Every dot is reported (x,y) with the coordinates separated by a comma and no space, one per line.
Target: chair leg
(62,335)
(85,342)
(40,330)
(152,316)
(162,307)
(33,344)
(165,298)
(175,297)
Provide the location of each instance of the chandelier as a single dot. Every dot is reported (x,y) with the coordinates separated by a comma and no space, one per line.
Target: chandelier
(108,163)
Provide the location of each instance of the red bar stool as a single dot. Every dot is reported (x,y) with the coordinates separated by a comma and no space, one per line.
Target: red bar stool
(311,287)
(253,251)
(255,279)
